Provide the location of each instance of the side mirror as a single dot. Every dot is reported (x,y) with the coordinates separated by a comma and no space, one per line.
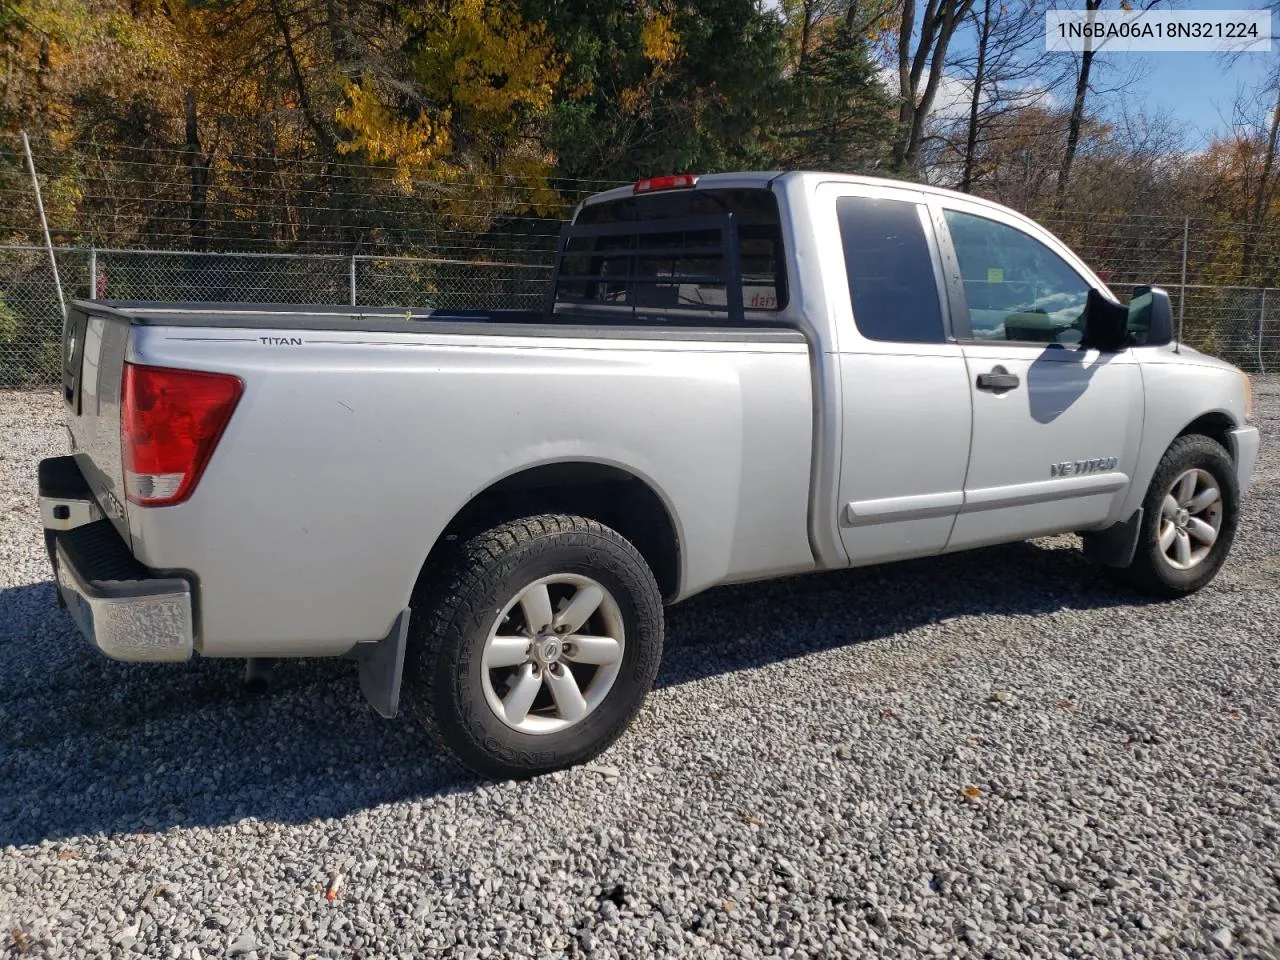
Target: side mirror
(1150,321)
(1111,327)
(1105,324)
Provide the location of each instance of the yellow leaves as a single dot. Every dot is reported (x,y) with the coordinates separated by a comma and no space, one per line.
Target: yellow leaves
(659,40)
(57,21)
(484,58)
(661,47)
(971,793)
(481,73)
(529,171)
(881,30)
(632,99)
(412,146)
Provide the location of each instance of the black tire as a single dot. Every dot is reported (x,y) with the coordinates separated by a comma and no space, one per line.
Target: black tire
(1151,572)
(457,602)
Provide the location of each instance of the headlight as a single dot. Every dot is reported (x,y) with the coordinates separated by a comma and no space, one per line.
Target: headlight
(1248,397)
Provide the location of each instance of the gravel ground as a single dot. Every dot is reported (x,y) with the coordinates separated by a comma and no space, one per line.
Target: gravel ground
(992,754)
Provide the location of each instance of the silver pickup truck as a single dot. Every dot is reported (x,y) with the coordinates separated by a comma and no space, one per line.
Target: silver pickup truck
(734,377)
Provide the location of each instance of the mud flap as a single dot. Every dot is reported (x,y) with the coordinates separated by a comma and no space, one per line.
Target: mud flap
(382,665)
(1116,545)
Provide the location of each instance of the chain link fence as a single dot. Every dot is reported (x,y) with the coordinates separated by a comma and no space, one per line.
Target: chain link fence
(1240,324)
(31,321)
(30,317)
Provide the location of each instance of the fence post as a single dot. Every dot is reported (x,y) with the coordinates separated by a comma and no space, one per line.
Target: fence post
(1182,296)
(353,279)
(48,240)
(93,272)
(1262,315)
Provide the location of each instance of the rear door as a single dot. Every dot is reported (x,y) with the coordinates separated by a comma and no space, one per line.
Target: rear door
(1055,427)
(905,430)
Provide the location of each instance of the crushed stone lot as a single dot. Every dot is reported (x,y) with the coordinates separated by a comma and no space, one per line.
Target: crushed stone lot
(989,754)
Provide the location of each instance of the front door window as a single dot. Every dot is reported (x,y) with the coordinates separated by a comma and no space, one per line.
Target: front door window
(1015,287)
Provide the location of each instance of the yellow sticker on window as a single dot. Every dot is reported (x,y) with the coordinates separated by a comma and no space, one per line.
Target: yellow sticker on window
(995,275)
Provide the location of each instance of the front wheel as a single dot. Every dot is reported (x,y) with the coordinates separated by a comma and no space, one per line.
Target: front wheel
(534,645)
(1188,522)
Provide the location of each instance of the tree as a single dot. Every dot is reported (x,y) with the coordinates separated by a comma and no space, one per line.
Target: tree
(837,113)
(1082,82)
(483,76)
(920,71)
(1256,122)
(1242,189)
(655,88)
(998,75)
(1265,191)
(803,22)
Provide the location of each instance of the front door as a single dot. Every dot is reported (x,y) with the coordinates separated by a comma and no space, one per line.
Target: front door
(1056,427)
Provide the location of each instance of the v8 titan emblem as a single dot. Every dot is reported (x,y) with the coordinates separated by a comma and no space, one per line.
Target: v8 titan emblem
(1071,468)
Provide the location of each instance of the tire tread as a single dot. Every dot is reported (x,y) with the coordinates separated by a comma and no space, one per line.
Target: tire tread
(1145,574)
(449,598)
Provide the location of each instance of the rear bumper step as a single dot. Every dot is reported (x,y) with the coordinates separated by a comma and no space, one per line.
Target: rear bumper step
(125,610)
(65,499)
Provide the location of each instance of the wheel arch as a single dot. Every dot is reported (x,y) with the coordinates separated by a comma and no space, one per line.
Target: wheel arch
(1114,544)
(1216,425)
(616,496)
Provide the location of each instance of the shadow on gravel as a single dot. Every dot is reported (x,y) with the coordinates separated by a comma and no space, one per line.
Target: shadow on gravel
(89,745)
(750,625)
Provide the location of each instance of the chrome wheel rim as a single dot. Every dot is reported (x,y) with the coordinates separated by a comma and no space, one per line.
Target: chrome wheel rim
(1190,519)
(553,654)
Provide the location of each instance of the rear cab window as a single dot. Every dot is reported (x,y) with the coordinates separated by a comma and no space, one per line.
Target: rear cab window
(681,269)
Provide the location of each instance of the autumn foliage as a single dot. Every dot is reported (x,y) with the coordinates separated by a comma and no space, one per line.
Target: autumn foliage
(460,125)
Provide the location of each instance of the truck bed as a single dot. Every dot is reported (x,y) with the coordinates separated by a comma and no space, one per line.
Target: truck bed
(360,435)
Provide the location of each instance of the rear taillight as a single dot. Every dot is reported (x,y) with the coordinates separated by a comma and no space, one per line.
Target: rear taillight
(170,421)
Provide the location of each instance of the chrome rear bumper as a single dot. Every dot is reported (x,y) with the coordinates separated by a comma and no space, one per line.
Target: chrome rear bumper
(124,609)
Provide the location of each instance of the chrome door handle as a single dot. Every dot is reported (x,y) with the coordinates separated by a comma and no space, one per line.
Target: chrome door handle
(998,380)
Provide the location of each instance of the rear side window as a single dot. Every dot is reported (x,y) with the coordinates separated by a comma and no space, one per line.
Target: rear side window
(891,279)
(691,260)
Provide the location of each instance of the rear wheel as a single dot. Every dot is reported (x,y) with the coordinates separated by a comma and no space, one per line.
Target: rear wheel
(534,645)
(1189,520)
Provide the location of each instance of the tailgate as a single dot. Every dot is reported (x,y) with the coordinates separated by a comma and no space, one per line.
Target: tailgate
(92,367)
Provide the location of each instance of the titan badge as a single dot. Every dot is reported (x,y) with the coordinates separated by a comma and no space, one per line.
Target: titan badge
(1071,468)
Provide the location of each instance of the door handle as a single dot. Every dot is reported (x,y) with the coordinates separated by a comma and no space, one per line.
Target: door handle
(998,380)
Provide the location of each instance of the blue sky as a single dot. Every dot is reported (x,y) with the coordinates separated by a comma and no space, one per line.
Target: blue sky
(1196,88)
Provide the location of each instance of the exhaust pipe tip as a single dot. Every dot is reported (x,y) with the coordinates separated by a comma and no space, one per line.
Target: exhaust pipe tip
(257,676)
